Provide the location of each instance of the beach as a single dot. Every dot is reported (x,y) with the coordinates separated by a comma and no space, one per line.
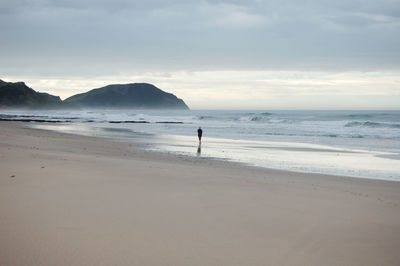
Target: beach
(363,144)
(80,200)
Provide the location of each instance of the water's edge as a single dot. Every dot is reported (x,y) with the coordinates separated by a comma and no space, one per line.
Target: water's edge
(294,157)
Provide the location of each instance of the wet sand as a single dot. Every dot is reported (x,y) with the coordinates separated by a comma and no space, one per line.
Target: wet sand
(75,200)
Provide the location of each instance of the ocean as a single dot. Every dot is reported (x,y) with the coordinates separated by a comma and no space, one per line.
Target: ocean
(363,144)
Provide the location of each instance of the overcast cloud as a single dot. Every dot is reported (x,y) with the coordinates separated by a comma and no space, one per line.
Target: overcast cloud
(78,39)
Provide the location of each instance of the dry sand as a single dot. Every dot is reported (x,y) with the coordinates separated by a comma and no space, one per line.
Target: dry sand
(74,200)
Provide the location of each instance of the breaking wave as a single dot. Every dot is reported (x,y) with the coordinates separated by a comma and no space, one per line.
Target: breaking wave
(372,124)
(205,117)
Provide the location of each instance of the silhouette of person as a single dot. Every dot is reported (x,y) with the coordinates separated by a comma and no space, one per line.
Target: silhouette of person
(199,134)
(199,150)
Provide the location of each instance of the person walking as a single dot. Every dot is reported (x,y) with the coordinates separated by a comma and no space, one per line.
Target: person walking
(199,134)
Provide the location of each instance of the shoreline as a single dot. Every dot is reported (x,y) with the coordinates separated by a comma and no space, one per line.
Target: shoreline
(270,155)
(72,199)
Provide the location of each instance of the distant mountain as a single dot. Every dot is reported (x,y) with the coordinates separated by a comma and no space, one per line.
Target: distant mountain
(18,95)
(134,95)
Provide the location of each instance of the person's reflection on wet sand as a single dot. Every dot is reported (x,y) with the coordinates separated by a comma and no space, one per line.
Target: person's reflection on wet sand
(199,150)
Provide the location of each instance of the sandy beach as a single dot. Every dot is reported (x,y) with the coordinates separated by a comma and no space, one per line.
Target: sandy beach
(75,200)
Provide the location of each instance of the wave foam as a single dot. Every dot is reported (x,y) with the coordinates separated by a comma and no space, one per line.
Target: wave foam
(372,124)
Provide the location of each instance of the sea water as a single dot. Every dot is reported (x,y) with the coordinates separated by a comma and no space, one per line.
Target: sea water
(350,143)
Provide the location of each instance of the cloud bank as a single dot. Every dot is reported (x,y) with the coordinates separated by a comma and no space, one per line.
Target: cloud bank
(93,40)
(54,36)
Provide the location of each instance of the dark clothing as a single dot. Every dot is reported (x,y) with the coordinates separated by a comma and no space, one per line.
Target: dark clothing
(199,133)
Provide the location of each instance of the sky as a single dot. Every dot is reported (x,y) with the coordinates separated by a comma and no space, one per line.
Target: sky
(214,54)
